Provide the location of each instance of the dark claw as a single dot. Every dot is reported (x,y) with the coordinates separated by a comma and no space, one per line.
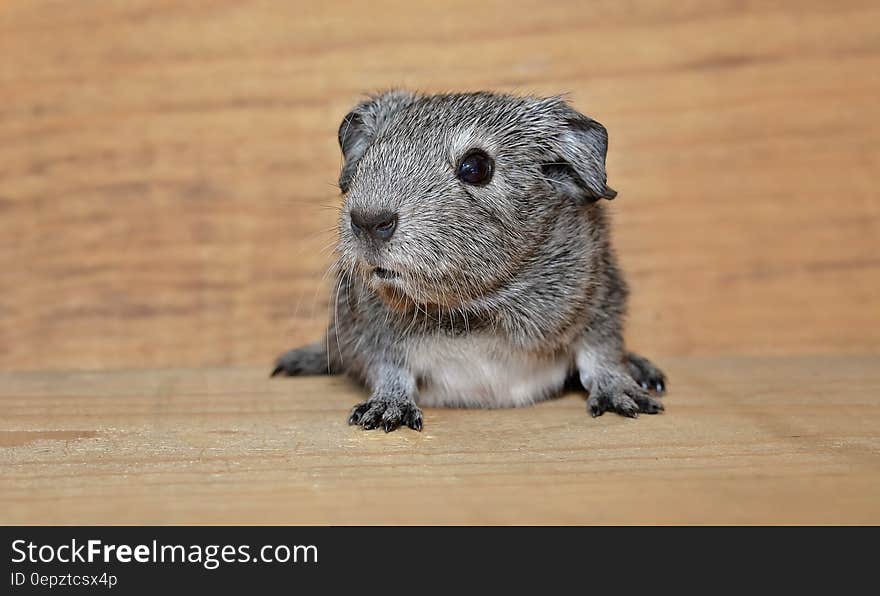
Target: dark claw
(277,370)
(358,412)
(415,422)
(652,409)
(645,373)
(648,404)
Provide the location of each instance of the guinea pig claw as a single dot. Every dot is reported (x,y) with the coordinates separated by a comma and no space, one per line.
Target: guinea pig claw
(357,413)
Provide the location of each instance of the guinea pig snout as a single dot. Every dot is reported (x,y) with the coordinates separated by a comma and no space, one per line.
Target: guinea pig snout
(379,226)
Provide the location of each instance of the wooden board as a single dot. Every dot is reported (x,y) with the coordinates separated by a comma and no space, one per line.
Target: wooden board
(167,168)
(745,440)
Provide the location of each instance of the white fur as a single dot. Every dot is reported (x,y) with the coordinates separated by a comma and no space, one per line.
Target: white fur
(480,371)
(588,367)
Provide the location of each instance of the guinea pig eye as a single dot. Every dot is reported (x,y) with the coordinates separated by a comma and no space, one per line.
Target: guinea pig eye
(476,168)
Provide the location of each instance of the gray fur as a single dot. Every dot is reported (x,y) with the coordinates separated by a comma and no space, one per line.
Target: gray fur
(502,291)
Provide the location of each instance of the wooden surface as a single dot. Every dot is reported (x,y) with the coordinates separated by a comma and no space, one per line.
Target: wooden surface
(166,213)
(167,168)
(744,440)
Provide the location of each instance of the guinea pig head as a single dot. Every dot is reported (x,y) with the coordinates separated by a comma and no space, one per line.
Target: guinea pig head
(447,197)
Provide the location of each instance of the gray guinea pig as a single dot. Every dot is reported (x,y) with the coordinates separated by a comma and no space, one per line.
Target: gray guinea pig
(475,267)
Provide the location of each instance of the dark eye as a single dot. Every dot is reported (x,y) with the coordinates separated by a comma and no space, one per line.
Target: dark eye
(476,168)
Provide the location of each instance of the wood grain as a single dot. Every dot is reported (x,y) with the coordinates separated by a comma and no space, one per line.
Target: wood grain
(167,168)
(744,440)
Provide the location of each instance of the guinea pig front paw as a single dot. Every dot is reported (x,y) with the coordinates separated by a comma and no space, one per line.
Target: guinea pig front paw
(627,399)
(389,413)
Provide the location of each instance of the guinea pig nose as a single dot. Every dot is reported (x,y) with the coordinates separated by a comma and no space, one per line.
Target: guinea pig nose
(358,223)
(385,225)
(380,225)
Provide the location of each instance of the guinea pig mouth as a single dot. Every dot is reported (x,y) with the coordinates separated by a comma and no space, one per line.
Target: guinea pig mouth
(385,274)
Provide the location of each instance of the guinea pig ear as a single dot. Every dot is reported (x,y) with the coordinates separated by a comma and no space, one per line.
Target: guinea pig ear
(578,169)
(362,124)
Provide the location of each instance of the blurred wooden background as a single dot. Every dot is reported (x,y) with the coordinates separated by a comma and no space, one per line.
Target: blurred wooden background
(167,168)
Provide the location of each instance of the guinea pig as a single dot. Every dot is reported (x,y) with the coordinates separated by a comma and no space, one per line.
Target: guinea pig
(475,267)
